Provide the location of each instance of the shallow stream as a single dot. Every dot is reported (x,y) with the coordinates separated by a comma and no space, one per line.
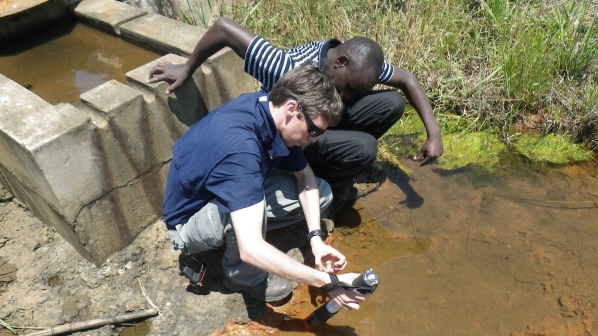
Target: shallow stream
(471,253)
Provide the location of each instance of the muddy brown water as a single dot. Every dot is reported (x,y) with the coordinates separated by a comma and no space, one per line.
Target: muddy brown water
(469,253)
(66,59)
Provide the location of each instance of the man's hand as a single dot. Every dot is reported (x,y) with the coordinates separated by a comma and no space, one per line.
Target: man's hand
(431,149)
(328,259)
(174,74)
(347,299)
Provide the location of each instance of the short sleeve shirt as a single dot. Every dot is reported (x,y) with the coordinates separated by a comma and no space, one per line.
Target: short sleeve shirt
(267,63)
(226,156)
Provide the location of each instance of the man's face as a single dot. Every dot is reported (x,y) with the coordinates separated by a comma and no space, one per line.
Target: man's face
(349,82)
(298,129)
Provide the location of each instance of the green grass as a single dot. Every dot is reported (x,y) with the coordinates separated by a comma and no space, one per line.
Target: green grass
(7,326)
(493,64)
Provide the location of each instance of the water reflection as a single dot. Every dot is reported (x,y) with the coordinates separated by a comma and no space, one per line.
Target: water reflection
(85,81)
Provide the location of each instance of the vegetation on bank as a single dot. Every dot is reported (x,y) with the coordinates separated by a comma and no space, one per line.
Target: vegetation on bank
(504,66)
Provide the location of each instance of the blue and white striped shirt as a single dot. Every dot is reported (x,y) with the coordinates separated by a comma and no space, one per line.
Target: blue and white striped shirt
(267,63)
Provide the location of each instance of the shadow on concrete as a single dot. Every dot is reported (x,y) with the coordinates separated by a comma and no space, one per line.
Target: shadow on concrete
(188,104)
(42,35)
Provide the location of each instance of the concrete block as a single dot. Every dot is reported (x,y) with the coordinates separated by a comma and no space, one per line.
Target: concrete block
(69,161)
(170,116)
(27,125)
(110,223)
(107,14)
(222,78)
(163,33)
(123,131)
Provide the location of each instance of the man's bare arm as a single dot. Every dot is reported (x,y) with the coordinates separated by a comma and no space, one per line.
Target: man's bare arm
(255,251)
(415,94)
(223,33)
(327,258)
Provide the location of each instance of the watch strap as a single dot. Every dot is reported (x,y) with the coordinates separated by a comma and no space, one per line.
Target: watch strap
(314,233)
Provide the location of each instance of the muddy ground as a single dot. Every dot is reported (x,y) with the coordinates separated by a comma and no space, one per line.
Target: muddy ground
(44,282)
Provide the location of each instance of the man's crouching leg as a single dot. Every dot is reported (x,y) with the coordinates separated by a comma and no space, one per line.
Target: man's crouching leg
(241,276)
(204,231)
(282,208)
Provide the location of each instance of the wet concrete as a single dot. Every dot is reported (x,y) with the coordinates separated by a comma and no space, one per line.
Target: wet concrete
(69,58)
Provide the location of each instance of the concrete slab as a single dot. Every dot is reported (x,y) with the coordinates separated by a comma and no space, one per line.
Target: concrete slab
(10,7)
(107,14)
(123,133)
(19,116)
(18,17)
(163,33)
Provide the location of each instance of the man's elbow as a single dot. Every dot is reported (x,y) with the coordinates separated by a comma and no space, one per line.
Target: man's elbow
(248,255)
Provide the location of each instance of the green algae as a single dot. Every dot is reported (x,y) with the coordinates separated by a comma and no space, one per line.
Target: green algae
(554,148)
(479,148)
(482,148)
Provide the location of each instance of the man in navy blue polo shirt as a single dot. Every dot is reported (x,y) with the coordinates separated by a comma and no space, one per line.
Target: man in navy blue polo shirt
(357,65)
(242,166)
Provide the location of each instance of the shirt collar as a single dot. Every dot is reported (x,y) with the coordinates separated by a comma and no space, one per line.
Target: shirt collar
(269,135)
(323,54)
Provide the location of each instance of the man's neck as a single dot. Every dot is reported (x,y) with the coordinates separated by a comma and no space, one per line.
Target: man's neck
(277,114)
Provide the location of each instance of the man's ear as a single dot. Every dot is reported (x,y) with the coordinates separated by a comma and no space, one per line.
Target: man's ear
(341,61)
(290,107)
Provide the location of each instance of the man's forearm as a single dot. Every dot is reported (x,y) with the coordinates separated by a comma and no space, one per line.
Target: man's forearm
(271,260)
(255,251)
(223,33)
(416,96)
(309,197)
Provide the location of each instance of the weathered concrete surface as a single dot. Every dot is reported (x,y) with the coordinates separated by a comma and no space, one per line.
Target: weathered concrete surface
(97,174)
(163,33)
(107,14)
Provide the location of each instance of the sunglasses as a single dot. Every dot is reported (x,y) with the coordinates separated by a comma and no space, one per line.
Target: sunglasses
(313,130)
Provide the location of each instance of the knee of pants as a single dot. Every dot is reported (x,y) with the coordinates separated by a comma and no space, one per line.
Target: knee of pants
(325,194)
(396,105)
(365,149)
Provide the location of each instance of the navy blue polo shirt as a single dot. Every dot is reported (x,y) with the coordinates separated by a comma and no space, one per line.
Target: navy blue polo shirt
(226,156)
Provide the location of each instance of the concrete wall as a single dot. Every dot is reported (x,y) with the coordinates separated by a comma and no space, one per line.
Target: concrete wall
(19,18)
(97,173)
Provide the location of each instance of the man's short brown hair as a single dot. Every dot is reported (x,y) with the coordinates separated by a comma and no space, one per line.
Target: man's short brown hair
(314,90)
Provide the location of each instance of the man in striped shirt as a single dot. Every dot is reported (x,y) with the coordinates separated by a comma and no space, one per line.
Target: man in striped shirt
(357,65)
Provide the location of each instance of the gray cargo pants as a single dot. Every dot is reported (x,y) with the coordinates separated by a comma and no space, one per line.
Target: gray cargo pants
(209,229)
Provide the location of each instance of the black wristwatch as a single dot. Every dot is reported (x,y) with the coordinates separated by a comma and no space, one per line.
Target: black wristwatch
(313,233)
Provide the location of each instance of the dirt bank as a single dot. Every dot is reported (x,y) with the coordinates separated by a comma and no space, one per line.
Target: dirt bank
(47,283)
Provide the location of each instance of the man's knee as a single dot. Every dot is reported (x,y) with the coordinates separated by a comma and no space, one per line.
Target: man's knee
(203,231)
(365,149)
(395,103)
(325,194)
